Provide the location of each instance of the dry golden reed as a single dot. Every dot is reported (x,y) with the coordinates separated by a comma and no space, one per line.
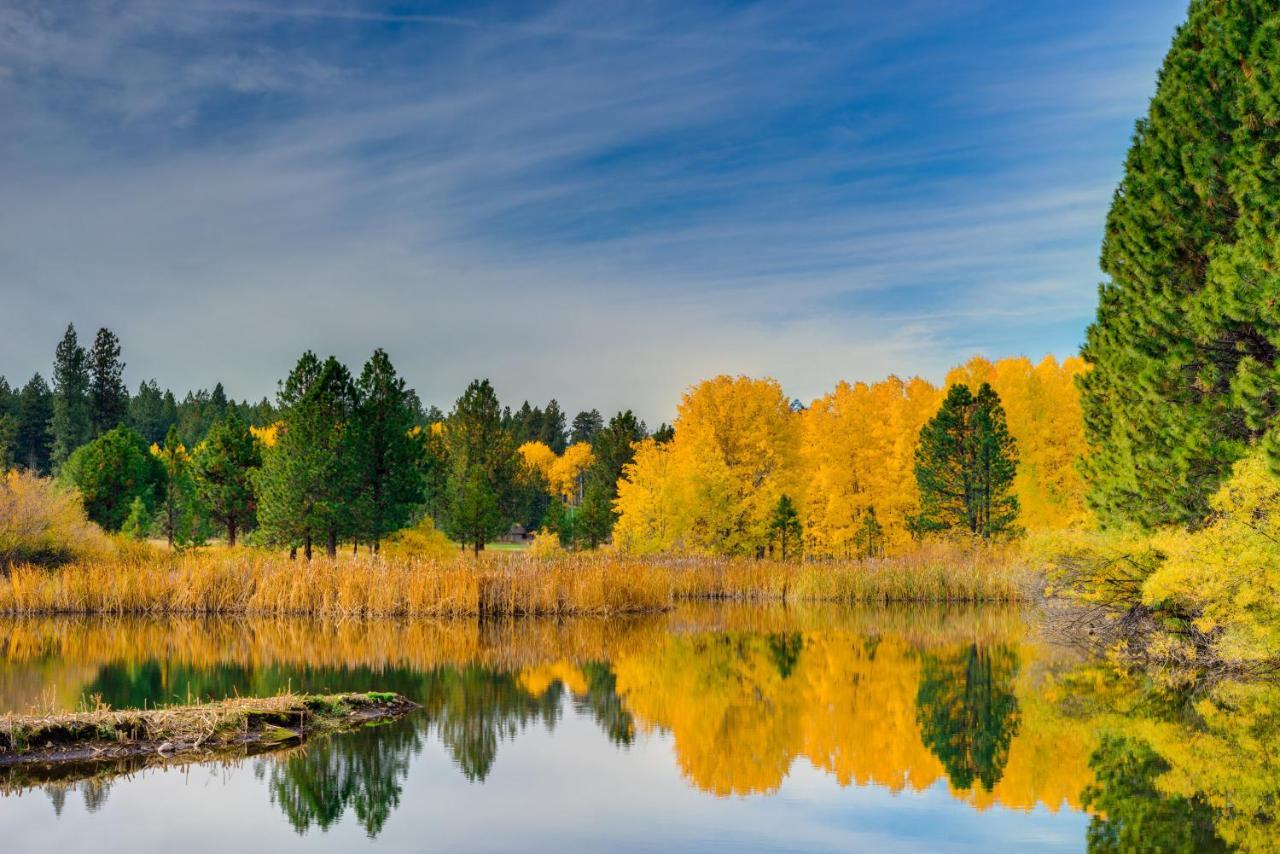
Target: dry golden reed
(603,584)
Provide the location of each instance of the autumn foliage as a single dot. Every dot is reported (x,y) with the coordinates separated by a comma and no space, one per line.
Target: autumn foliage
(847,461)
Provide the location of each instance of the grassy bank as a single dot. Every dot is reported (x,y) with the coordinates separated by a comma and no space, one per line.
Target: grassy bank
(104,734)
(254,583)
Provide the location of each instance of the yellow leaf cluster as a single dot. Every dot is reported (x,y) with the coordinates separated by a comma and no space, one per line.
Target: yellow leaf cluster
(1228,572)
(563,473)
(268,435)
(859,452)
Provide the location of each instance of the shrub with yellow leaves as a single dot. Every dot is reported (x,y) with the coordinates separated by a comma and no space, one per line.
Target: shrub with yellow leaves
(423,541)
(44,522)
(1228,573)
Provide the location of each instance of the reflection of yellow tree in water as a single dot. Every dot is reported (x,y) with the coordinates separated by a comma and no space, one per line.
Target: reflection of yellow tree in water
(743,708)
(1187,767)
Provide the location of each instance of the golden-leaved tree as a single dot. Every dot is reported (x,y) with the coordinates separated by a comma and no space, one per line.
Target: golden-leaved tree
(562,473)
(711,489)
(858,448)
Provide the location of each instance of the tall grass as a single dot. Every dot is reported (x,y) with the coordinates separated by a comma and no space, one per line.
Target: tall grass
(259,583)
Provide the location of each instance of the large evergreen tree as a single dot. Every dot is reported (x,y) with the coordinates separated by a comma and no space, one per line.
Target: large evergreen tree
(965,464)
(483,464)
(224,467)
(307,482)
(552,428)
(8,426)
(108,397)
(586,426)
(72,424)
(388,451)
(1185,351)
(613,448)
(33,447)
(179,510)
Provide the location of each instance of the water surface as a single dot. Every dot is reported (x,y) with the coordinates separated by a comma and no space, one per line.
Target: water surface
(712,727)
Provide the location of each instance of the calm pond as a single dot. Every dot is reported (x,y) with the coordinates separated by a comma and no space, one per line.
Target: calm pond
(708,727)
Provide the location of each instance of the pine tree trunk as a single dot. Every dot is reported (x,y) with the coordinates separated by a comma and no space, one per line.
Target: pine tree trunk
(331,547)
(306,546)
(231,532)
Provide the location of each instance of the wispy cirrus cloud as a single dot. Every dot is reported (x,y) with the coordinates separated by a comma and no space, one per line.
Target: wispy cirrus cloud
(600,202)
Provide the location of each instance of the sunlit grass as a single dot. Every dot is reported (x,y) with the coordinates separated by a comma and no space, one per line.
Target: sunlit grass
(225,581)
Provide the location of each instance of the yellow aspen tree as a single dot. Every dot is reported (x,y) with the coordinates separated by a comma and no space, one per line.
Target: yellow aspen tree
(712,488)
(565,474)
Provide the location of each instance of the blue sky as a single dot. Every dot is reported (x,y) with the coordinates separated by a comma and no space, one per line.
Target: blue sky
(601,202)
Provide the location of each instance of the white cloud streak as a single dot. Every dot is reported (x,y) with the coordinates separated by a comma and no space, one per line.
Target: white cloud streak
(599,205)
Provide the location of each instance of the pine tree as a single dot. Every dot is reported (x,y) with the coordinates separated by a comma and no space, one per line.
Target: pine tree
(552,432)
(71,425)
(137,525)
(108,397)
(784,527)
(8,442)
(388,453)
(33,449)
(613,448)
(869,538)
(152,412)
(586,426)
(1185,351)
(965,463)
(179,515)
(307,481)
(483,464)
(225,465)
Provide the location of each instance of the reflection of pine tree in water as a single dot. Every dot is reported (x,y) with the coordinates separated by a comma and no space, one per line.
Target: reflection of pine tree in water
(135,685)
(473,708)
(94,792)
(785,649)
(362,770)
(151,682)
(968,713)
(603,703)
(1131,814)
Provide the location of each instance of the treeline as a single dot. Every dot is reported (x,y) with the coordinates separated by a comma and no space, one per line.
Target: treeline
(42,423)
(864,471)
(336,458)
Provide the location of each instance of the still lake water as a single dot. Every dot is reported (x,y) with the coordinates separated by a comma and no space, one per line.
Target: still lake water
(711,727)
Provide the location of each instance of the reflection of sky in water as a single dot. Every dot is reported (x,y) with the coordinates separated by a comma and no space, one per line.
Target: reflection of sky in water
(568,789)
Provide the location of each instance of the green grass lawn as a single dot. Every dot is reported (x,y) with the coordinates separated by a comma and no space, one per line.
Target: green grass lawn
(506,547)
